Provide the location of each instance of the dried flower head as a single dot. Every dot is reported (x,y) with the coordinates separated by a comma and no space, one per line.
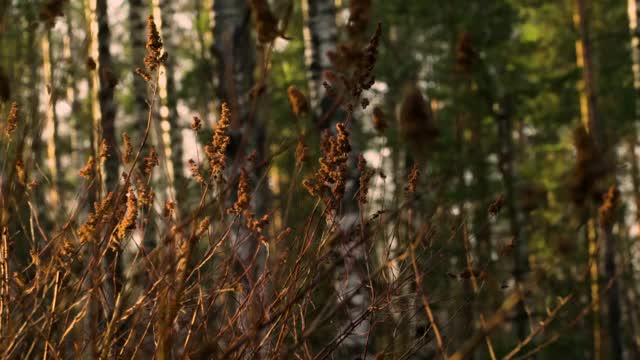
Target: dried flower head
(143,74)
(301,152)
(608,208)
(12,120)
(169,208)
(88,169)
(154,56)
(196,124)
(257,225)
(284,234)
(203,226)
(89,229)
(412,184)
(244,195)
(33,184)
(266,22)
(20,171)
(297,100)
(127,154)
(216,151)
(145,194)
(150,161)
(355,59)
(104,149)
(365,176)
(253,157)
(129,220)
(194,168)
(328,183)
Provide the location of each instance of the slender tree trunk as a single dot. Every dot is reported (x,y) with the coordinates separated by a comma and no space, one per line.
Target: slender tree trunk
(171,130)
(464,325)
(71,81)
(591,122)
(137,39)
(94,89)
(320,36)
(613,296)
(107,80)
(51,121)
(235,52)
(145,236)
(634,28)
(92,283)
(521,257)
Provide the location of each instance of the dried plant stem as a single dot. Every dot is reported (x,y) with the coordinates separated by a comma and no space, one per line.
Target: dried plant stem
(4,286)
(474,283)
(425,303)
(498,318)
(552,315)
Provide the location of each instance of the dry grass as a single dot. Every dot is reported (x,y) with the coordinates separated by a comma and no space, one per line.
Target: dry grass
(219,281)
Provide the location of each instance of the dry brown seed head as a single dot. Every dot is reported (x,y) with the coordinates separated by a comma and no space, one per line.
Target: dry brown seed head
(104,149)
(414,176)
(150,161)
(12,120)
(301,152)
(194,168)
(128,148)
(244,195)
(203,226)
(608,207)
(20,171)
(365,176)
(196,124)
(169,208)
(87,170)
(154,46)
(130,216)
(216,151)
(297,100)
(266,22)
(143,74)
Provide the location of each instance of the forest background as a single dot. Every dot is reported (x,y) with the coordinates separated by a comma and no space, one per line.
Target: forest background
(319,179)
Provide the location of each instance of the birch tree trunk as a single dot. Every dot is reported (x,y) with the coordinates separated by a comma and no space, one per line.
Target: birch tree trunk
(171,138)
(145,235)
(51,122)
(320,36)
(71,81)
(94,88)
(91,322)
